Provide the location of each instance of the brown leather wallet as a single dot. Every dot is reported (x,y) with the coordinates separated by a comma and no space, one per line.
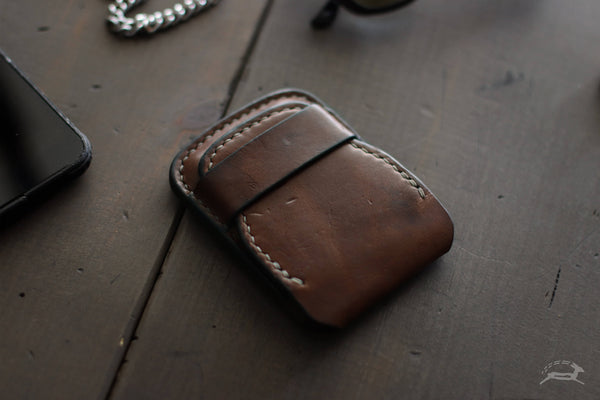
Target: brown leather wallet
(333,222)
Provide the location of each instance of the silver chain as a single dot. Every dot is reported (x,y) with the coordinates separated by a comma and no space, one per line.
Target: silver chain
(150,23)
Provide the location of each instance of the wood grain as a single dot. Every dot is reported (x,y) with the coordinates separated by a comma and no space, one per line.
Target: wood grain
(496,106)
(75,273)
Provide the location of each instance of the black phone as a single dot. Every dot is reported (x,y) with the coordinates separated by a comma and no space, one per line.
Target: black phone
(39,147)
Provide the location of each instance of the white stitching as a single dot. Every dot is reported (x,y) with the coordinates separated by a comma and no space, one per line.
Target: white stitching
(219,127)
(245,129)
(274,264)
(388,161)
(188,190)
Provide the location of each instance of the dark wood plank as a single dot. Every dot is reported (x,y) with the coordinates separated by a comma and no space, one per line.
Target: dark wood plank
(75,274)
(496,106)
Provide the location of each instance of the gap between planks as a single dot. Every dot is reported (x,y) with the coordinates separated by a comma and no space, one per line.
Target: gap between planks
(156,271)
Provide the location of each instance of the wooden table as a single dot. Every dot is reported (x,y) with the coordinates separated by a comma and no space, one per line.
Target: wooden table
(112,290)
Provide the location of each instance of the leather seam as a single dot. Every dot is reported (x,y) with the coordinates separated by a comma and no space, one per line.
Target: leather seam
(392,164)
(244,130)
(219,127)
(186,188)
(276,266)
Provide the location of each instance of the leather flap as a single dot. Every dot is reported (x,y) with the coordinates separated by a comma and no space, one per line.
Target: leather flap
(346,223)
(264,162)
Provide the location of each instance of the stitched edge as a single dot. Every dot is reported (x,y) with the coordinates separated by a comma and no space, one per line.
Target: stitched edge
(245,129)
(392,164)
(220,127)
(276,266)
(187,189)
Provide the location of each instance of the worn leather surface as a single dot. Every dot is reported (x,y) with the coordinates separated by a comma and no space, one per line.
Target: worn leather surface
(335,221)
(228,186)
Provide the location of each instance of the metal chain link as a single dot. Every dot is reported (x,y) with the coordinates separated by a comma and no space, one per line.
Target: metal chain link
(150,23)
